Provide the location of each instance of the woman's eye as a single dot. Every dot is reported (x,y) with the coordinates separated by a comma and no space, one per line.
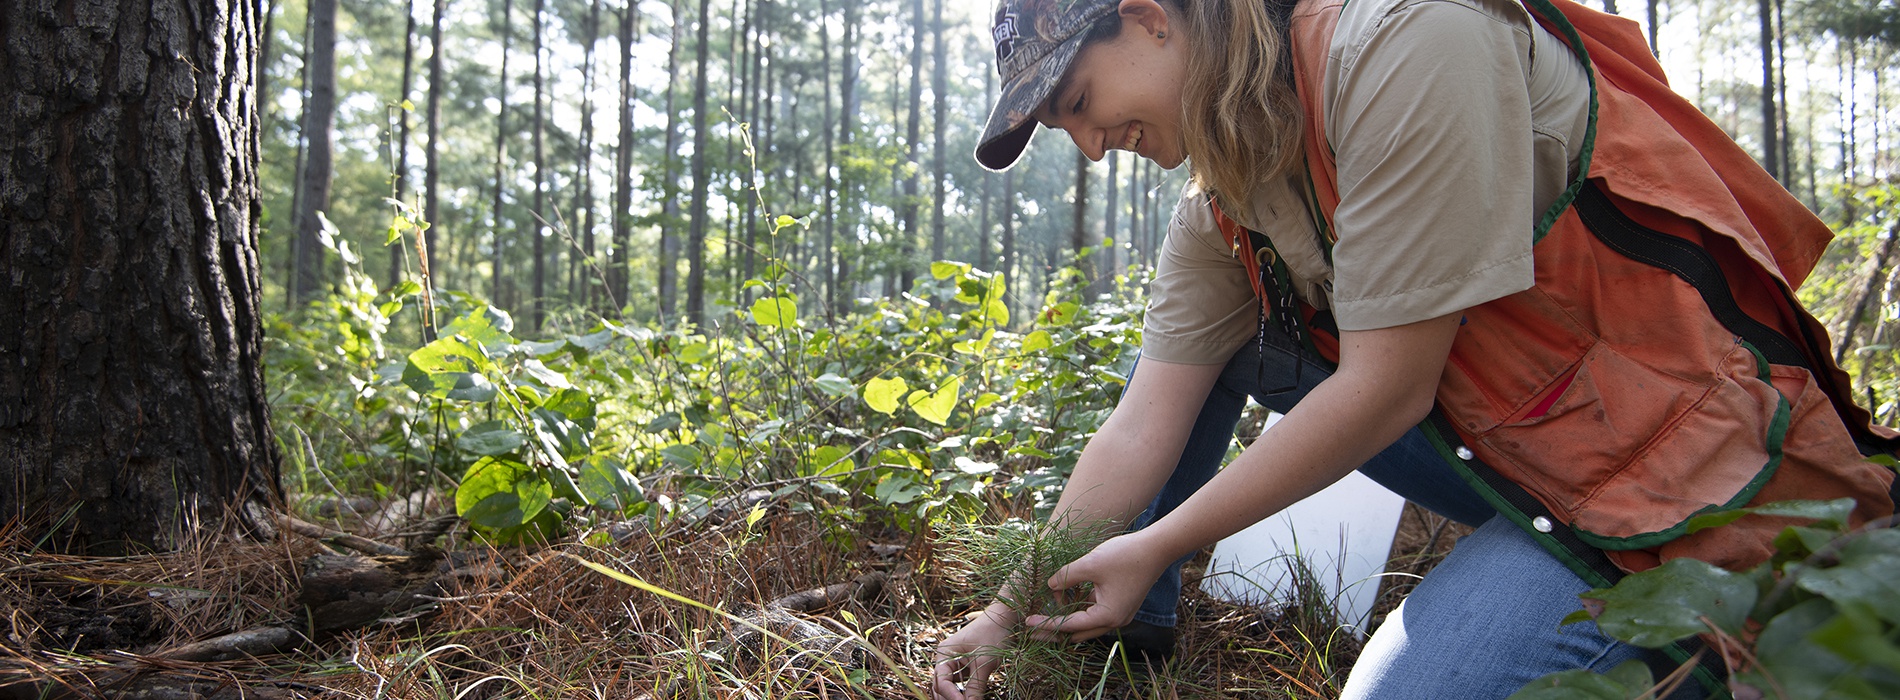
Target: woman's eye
(1077,109)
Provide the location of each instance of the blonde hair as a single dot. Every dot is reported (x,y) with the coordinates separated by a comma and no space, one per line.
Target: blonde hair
(1241,115)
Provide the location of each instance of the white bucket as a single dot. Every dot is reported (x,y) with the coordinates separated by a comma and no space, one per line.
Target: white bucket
(1343,534)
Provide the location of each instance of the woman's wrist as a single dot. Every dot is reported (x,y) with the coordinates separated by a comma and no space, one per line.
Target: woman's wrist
(1003,615)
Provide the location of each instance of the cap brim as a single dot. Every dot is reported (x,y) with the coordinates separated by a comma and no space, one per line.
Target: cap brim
(1012,120)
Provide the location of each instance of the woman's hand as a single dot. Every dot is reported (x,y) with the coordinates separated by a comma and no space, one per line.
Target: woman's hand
(1121,569)
(970,655)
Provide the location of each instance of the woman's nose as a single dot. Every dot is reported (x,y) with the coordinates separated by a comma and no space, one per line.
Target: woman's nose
(1089,141)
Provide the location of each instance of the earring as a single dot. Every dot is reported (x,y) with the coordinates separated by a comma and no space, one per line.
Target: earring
(1161,35)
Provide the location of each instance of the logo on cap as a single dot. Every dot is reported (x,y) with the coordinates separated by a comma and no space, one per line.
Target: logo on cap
(1005,34)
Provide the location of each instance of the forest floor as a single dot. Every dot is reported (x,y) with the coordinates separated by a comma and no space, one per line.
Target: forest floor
(624,611)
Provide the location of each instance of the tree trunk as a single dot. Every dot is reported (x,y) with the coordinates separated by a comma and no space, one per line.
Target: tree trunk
(828,252)
(581,284)
(132,405)
(319,116)
(1770,124)
(907,257)
(1655,17)
(1881,267)
(432,170)
(668,263)
(291,296)
(696,233)
(537,219)
(497,254)
(940,95)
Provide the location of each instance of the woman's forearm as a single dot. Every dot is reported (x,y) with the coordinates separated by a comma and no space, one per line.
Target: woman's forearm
(1130,457)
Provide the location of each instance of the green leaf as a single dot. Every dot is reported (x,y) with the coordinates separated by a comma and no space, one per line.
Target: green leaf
(944,269)
(1868,575)
(757,514)
(404,289)
(1655,607)
(936,406)
(776,311)
(1792,662)
(784,221)
(833,385)
(576,404)
(487,327)
(1037,340)
(1628,681)
(448,368)
(882,394)
(898,490)
(604,480)
(501,493)
(1834,513)
(560,438)
(681,455)
(1060,314)
(544,348)
(490,438)
(826,460)
(1857,635)
(408,106)
(545,375)
(984,400)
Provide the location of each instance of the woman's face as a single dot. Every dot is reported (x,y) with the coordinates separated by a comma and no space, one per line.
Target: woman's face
(1125,93)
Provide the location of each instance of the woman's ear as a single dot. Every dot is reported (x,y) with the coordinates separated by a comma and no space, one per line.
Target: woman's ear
(1148,14)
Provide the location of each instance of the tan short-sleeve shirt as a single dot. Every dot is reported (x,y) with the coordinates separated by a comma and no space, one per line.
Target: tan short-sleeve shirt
(1454,124)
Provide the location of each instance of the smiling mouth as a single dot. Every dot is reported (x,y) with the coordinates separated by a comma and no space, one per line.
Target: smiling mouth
(1133,138)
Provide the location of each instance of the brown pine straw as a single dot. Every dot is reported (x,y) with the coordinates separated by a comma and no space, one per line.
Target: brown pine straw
(528,623)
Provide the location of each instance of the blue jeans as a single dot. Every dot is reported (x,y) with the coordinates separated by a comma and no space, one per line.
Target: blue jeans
(1481,625)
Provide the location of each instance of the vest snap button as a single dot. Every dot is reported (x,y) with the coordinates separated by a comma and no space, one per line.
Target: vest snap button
(1541,523)
(1463,453)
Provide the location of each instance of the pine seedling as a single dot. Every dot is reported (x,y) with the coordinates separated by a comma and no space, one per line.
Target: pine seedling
(1012,562)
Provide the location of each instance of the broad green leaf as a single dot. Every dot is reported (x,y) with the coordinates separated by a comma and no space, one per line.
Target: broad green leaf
(448,368)
(544,348)
(776,311)
(996,312)
(592,342)
(936,406)
(605,481)
(694,353)
(1833,512)
(944,269)
(1628,681)
(899,489)
(882,394)
(490,438)
(1037,340)
(1793,663)
(545,375)
(560,438)
(487,327)
(757,514)
(501,493)
(826,460)
(408,106)
(899,458)
(833,385)
(576,404)
(1868,575)
(405,288)
(1857,635)
(1655,607)
(984,400)
(682,455)
(1060,314)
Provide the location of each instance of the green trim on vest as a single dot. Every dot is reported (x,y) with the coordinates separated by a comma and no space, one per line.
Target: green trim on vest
(1550,13)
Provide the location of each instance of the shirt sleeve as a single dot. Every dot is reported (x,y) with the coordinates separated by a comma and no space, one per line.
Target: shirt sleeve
(1431,122)
(1201,306)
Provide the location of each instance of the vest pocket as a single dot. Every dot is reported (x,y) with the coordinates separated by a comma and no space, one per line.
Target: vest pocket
(1628,452)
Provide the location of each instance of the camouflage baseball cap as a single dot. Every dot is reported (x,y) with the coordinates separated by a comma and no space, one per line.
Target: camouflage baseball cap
(1035,42)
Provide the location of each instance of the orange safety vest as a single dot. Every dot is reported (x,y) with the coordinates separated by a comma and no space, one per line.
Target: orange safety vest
(1657,369)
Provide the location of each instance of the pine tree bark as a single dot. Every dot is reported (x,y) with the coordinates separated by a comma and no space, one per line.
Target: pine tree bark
(668,264)
(696,233)
(132,405)
(539,215)
(319,118)
(828,251)
(1770,123)
(907,257)
(498,256)
(940,95)
(432,166)
(580,283)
